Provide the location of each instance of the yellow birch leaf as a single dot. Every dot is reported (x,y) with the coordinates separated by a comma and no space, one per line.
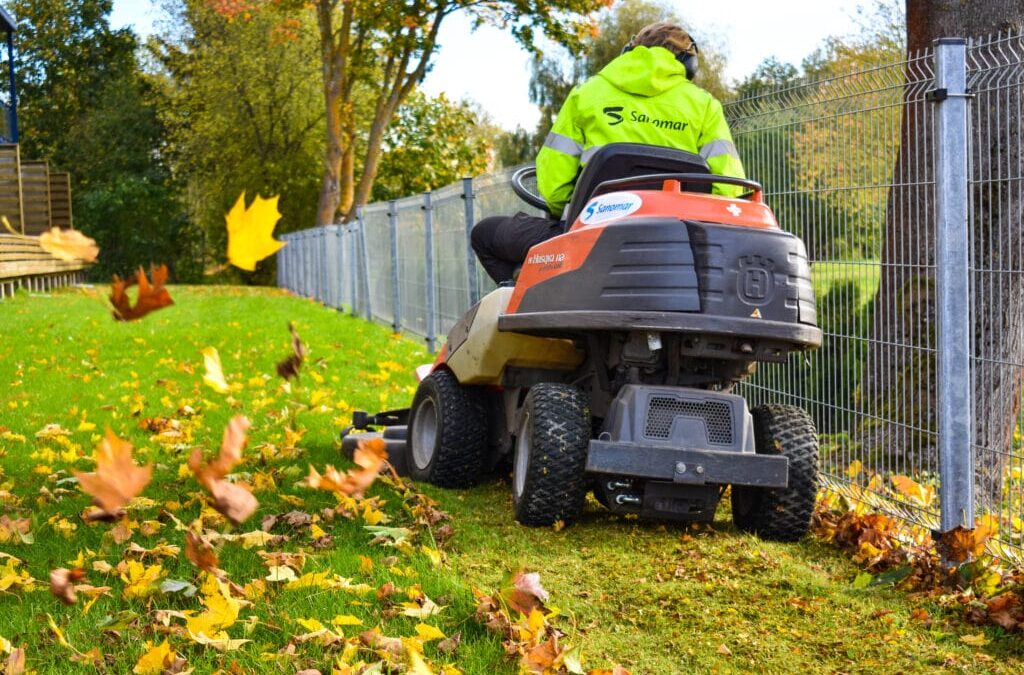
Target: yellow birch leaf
(311,625)
(426,632)
(346,620)
(214,375)
(978,640)
(155,660)
(251,232)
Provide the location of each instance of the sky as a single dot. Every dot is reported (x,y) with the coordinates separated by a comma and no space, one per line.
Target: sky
(488,67)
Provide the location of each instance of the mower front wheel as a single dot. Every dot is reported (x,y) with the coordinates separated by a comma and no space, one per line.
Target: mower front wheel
(447,436)
(781,514)
(548,471)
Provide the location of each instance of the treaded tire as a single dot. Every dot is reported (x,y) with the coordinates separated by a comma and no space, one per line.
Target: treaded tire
(781,514)
(548,475)
(449,421)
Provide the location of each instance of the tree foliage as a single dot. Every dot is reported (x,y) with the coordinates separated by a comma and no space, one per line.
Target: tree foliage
(244,114)
(431,142)
(389,48)
(86,107)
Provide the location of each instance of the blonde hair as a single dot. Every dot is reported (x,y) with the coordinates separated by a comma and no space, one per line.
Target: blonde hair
(665,34)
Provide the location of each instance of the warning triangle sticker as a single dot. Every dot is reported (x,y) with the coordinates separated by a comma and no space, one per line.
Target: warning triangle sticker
(756,313)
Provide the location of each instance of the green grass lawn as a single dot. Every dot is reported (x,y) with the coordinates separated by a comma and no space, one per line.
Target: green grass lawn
(654,598)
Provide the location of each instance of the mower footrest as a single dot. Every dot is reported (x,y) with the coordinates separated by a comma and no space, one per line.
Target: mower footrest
(394,443)
(687,466)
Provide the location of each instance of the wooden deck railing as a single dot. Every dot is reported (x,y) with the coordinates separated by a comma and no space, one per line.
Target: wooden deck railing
(24,264)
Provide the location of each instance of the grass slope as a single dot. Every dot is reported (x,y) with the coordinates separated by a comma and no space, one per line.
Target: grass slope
(656,599)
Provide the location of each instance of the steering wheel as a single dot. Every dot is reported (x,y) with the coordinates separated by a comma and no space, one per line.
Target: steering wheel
(523,192)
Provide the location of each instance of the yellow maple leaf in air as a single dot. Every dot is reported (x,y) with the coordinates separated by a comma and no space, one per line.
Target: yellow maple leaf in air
(251,232)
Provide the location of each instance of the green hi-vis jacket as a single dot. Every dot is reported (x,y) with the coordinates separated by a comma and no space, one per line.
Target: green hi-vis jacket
(642,96)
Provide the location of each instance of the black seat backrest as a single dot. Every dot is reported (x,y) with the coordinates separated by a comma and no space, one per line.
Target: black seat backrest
(625,160)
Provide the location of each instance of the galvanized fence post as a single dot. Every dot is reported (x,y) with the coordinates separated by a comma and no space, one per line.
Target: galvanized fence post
(428,245)
(353,271)
(339,252)
(953,289)
(396,296)
(470,215)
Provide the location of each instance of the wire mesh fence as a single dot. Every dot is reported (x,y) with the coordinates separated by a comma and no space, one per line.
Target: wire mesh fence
(867,168)
(996,218)
(845,165)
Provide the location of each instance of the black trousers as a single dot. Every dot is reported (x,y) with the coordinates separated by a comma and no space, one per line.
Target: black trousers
(501,242)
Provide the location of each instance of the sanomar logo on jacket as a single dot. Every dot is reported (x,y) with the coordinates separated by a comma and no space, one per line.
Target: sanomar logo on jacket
(614,113)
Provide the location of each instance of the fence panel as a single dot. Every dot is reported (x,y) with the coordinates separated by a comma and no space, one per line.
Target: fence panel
(412,281)
(829,154)
(996,80)
(377,238)
(451,274)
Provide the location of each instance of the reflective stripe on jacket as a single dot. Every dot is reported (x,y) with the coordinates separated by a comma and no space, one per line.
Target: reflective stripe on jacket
(642,96)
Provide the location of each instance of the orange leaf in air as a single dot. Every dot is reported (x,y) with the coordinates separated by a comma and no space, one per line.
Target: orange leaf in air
(369,457)
(289,368)
(62,584)
(234,500)
(70,245)
(151,296)
(117,478)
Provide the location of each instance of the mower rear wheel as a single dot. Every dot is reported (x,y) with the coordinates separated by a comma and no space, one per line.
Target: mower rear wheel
(447,436)
(548,468)
(781,514)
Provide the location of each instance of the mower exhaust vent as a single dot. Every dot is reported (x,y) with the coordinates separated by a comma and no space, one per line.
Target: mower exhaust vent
(662,412)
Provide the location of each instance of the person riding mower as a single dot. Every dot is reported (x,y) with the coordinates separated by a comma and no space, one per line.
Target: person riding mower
(646,95)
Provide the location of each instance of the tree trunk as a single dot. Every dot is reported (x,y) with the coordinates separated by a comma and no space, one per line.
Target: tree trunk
(330,189)
(897,387)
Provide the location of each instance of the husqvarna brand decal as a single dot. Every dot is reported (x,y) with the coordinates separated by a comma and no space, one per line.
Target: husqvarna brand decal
(610,207)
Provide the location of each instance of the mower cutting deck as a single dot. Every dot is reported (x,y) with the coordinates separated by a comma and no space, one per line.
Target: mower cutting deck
(609,366)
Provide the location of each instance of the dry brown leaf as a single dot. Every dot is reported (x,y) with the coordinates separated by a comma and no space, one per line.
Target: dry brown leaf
(201,553)
(289,368)
(151,297)
(450,644)
(234,500)
(15,662)
(960,544)
(117,478)
(525,594)
(62,584)
(69,245)
(374,640)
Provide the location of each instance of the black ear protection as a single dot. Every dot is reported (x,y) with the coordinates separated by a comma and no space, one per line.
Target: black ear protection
(690,62)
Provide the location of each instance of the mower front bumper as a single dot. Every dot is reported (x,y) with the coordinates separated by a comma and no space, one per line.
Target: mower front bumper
(687,466)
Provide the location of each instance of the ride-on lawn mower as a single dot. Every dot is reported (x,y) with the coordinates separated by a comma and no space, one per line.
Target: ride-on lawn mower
(609,366)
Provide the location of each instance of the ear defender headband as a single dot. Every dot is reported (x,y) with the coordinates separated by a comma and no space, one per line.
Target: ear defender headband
(690,62)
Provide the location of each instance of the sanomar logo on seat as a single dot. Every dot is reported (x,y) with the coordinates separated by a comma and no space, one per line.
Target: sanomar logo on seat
(610,207)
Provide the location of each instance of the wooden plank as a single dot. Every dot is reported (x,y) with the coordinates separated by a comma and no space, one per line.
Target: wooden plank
(60,200)
(14,271)
(10,185)
(35,191)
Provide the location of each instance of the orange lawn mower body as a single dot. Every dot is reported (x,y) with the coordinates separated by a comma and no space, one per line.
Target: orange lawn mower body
(610,366)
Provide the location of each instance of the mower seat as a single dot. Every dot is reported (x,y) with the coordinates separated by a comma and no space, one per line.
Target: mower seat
(626,160)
